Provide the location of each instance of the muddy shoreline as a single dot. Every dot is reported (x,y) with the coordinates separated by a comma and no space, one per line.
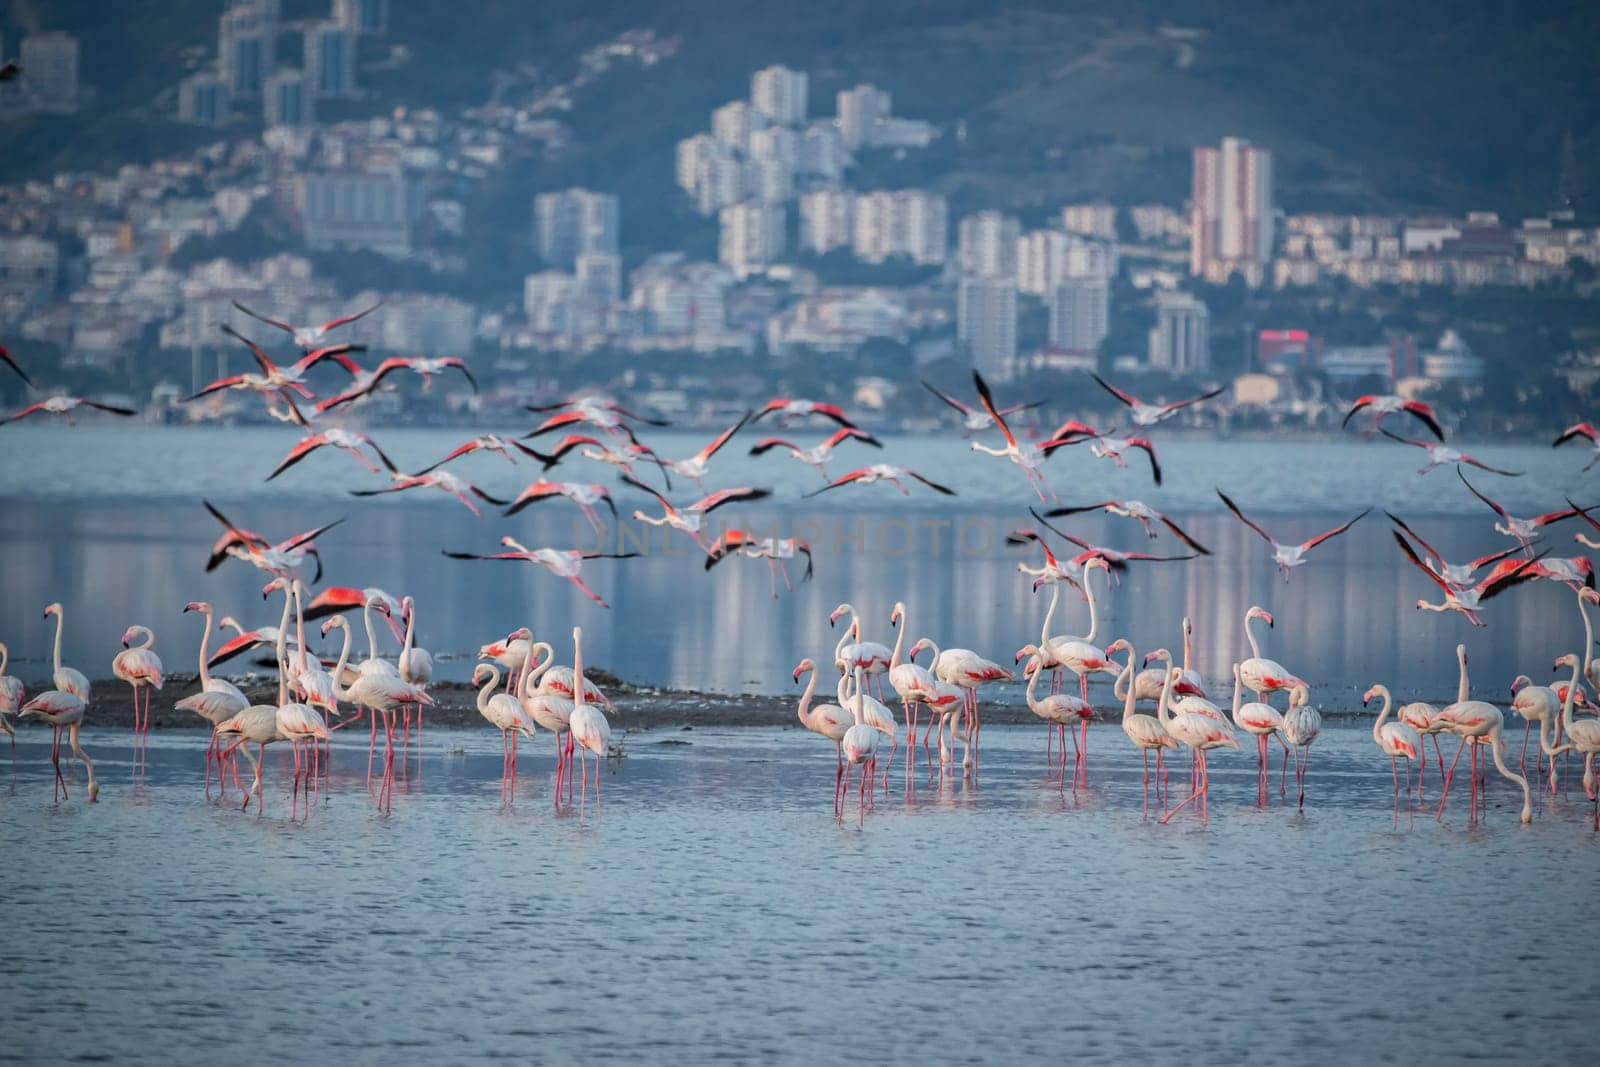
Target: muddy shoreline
(638,707)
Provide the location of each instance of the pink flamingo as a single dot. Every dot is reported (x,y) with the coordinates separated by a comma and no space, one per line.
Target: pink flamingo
(584,494)
(590,731)
(975,420)
(1262,721)
(67,406)
(1139,511)
(1146,733)
(309,337)
(690,519)
(1198,733)
(826,720)
(1390,405)
(775,550)
(1285,556)
(61,710)
(1028,456)
(786,409)
(818,455)
(563,563)
(218,699)
(1144,414)
(140,667)
(506,714)
(1262,675)
(1396,739)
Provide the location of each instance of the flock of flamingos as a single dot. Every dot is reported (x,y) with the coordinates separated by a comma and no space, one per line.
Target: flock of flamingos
(521,690)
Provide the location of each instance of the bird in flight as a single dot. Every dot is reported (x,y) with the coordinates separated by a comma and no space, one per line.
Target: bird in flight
(1285,556)
(1144,414)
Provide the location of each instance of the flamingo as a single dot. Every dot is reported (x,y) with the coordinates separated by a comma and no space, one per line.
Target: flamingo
(818,455)
(443,481)
(549,709)
(1028,456)
(1523,530)
(63,710)
(12,696)
(563,563)
(1138,510)
(218,700)
(775,550)
(1457,574)
(1145,731)
(975,420)
(1440,455)
(66,406)
(423,366)
(786,409)
(1148,683)
(287,558)
(860,742)
(511,653)
(1474,721)
(256,724)
(340,598)
(1535,704)
(1289,556)
(1423,718)
(299,723)
(1396,739)
(874,658)
(623,459)
(1261,675)
(5,354)
(66,679)
(1105,446)
(1390,405)
(1262,721)
(347,441)
(380,693)
(487,442)
(584,494)
(1585,430)
(913,683)
(694,467)
(273,379)
(1144,414)
(1582,734)
(309,338)
(1198,733)
(866,709)
(557,680)
(506,714)
(599,412)
(1118,561)
(691,519)
(140,667)
(1468,599)
(590,731)
(882,472)
(966,670)
(416,664)
(1063,713)
(1079,655)
(825,720)
(1301,725)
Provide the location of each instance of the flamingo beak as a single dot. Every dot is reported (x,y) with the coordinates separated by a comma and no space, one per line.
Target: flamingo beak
(1149,657)
(797,674)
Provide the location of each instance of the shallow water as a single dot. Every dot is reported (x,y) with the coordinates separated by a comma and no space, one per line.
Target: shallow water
(716,907)
(122,541)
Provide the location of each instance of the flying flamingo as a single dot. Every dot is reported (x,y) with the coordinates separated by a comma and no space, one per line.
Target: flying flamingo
(1262,721)
(1138,510)
(818,455)
(1145,731)
(347,441)
(1027,455)
(694,467)
(286,559)
(1524,530)
(66,405)
(1440,455)
(423,366)
(584,494)
(590,731)
(1198,733)
(140,667)
(787,409)
(1288,556)
(1467,600)
(1396,739)
(443,481)
(506,714)
(60,710)
(691,518)
(1585,430)
(483,443)
(1105,446)
(1118,561)
(1144,414)
(9,360)
(1262,675)
(975,420)
(603,453)
(66,679)
(309,338)
(1457,574)
(826,720)
(775,550)
(1301,726)
(1390,405)
(563,563)
(599,412)
(275,380)
(881,472)
(339,598)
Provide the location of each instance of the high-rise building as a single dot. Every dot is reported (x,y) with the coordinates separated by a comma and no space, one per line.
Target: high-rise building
(987,245)
(1230,211)
(1080,312)
(775,142)
(691,151)
(825,220)
(547,300)
(1046,258)
(247,42)
(752,237)
(986,322)
(369,17)
(599,277)
(287,100)
(1091,220)
(780,94)
(1181,341)
(733,122)
(770,180)
(821,154)
(921,226)
(872,231)
(355,209)
(573,222)
(720,181)
(861,111)
(331,59)
(204,99)
(50,65)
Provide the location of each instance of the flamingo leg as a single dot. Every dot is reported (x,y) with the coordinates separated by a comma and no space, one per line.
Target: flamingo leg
(1445,789)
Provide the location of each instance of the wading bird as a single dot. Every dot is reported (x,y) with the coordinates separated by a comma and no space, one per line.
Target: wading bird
(309,338)
(1027,455)
(140,667)
(787,409)
(1105,446)
(66,405)
(563,563)
(1143,414)
(1288,556)
(818,455)
(1524,530)
(975,420)
(1380,406)
(488,442)
(1468,599)
(61,710)
(443,481)
(882,472)
(584,494)
(423,366)
(1584,430)
(690,520)
(1440,455)
(775,550)
(1139,511)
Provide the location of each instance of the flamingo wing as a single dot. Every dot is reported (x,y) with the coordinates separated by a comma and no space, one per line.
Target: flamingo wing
(1498,510)
(266,365)
(456,453)
(345,320)
(1405,546)
(1360,403)
(1582,429)
(485,497)
(767,444)
(1469,461)
(555,422)
(625,413)
(853,476)
(299,452)
(1583,513)
(1495,586)
(217,386)
(805,549)
(284,326)
(1335,532)
(728,542)
(1149,450)
(1425,414)
(1429,549)
(935,486)
(1231,506)
(461,365)
(946,397)
(1403,440)
(989,406)
(299,540)
(1179,404)
(10,361)
(1127,398)
(1058,512)
(728,496)
(565,445)
(1180,535)
(112,408)
(721,439)
(533,493)
(1554,516)
(848,433)
(336,353)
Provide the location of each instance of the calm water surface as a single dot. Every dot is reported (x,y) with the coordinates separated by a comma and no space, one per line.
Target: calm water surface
(717,908)
(107,520)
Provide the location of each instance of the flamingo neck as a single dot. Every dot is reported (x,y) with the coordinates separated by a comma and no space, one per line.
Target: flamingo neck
(338,672)
(805,699)
(1126,679)
(1250,635)
(205,641)
(933,664)
(578,684)
(1163,714)
(530,674)
(843,692)
(1588,635)
(1186,646)
(1377,724)
(5,657)
(366,617)
(1088,593)
(1238,694)
(299,627)
(1509,774)
(859,704)
(1461,685)
(55,663)
(899,639)
(1055,598)
(411,626)
(278,653)
(488,688)
(1033,680)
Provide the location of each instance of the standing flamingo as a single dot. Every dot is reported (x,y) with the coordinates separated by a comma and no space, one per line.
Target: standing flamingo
(416,664)
(1081,656)
(61,710)
(12,696)
(380,692)
(914,684)
(1582,734)
(257,725)
(218,699)
(966,670)
(1262,721)
(860,743)
(590,731)
(1535,704)
(1262,675)
(1423,718)
(1146,732)
(873,657)
(66,679)
(1396,739)
(1062,713)
(1198,733)
(826,720)
(140,667)
(1475,721)
(551,710)
(1301,725)
(506,714)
